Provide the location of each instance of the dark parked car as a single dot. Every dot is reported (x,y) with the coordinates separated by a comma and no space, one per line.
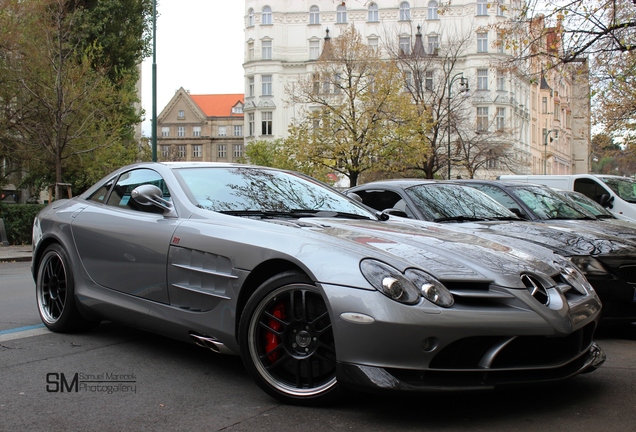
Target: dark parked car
(604,253)
(313,290)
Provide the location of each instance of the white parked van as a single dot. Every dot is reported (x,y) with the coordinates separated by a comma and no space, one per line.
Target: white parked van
(617,194)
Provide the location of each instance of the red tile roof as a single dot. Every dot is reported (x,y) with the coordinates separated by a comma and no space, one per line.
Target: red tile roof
(218,105)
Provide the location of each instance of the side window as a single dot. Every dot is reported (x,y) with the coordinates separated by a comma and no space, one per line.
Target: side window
(498,195)
(100,194)
(383,199)
(589,188)
(127,182)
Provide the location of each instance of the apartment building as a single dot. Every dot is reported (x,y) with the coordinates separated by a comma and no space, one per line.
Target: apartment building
(205,127)
(284,38)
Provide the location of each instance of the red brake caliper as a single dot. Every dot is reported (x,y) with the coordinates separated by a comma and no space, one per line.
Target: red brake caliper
(271,338)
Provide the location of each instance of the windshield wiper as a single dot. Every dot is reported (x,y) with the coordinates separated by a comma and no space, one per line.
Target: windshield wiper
(294,213)
(458,219)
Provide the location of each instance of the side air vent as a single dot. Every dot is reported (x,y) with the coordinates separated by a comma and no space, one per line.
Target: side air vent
(536,289)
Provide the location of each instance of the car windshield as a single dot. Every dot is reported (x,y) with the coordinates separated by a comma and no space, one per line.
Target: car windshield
(451,202)
(623,187)
(259,192)
(589,205)
(548,204)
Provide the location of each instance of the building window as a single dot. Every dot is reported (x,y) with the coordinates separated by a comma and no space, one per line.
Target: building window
(373,13)
(326,84)
(482,42)
(428,80)
(250,17)
(182,151)
(180,131)
(408,81)
(337,78)
(250,124)
(557,111)
(314,50)
(501,81)
(482,79)
(433,44)
(238,109)
(165,151)
(267,50)
(500,43)
(181,115)
(238,150)
(373,44)
(482,119)
(266,85)
(165,131)
(314,15)
(238,130)
(405,45)
(266,123)
(482,7)
(267,15)
(196,131)
(341,14)
(544,105)
(432,10)
(250,51)
(501,119)
(222,131)
(500,7)
(196,151)
(250,87)
(405,11)
(222,153)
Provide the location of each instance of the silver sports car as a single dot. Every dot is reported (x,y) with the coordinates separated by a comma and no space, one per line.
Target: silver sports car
(313,290)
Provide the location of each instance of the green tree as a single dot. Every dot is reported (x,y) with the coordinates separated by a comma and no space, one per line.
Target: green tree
(348,110)
(65,108)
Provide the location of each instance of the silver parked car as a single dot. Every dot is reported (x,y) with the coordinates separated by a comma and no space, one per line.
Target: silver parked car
(314,291)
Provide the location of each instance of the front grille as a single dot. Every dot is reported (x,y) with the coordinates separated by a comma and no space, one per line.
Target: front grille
(520,352)
(628,272)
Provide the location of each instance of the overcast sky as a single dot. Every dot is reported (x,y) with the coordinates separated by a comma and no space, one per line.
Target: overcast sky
(199,48)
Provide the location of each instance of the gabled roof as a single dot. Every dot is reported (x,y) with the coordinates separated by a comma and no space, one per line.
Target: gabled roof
(218,105)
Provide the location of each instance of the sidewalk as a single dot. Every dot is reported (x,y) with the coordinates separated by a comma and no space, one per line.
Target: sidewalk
(15,253)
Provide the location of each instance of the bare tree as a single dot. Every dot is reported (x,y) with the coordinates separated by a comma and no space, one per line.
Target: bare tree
(348,107)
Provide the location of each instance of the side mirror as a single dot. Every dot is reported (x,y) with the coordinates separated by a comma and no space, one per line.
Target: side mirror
(517,212)
(606,201)
(395,212)
(151,195)
(354,196)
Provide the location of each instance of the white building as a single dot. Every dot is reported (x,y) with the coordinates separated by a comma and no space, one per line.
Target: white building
(283,38)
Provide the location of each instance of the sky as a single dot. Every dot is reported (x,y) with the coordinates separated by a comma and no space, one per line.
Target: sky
(199,48)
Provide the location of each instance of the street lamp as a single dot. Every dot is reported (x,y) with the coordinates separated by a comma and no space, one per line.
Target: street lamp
(463,84)
(545,149)
(153,133)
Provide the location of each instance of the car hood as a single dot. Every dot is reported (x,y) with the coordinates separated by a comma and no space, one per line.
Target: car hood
(447,254)
(609,227)
(565,239)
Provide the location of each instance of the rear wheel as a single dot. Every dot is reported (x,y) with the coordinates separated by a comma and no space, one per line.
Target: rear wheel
(287,341)
(55,291)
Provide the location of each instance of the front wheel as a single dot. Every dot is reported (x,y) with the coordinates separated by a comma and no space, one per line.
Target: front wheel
(287,341)
(55,292)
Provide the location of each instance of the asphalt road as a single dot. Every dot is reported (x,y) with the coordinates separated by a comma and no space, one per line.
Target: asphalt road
(169,385)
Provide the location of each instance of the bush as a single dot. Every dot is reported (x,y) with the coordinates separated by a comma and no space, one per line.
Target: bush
(18,221)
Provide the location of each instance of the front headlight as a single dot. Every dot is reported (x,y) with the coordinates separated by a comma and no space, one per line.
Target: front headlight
(575,278)
(589,266)
(405,288)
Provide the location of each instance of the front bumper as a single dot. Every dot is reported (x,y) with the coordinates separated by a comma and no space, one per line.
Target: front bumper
(479,342)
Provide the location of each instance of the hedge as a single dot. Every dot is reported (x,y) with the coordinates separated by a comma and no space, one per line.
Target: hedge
(18,221)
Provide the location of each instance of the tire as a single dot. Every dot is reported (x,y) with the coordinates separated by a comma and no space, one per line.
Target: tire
(287,341)
(55,292)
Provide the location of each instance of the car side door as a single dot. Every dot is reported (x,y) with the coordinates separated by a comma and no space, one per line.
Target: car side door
(124,245)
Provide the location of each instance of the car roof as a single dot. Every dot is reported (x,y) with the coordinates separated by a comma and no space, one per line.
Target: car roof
(400,183)
(499,183)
